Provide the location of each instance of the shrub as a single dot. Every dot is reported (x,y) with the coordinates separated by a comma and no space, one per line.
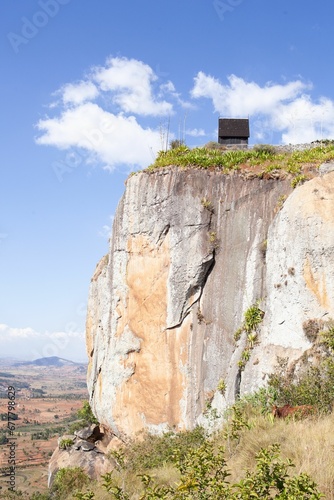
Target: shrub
(65,443)
(67,480)
(299,179)
(203,475)
(215,145)
(271,480)
(207,204)
(327,337)
(154,451)
(265,148)
(237,334)
(280,202)
(260,401)
(76,426)
(312,327)
(236,423)
(213,239)
(221,386)
(86,415)
(314,386)
(89,495)
(176,143)
(252,318)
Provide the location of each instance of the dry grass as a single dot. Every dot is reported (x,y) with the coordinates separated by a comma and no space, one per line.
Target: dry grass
(165,475)
(309,443)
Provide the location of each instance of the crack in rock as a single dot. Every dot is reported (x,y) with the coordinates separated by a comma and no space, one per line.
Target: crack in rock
(195,290)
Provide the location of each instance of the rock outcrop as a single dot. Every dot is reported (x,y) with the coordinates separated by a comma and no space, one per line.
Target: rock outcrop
(191,251)
(85,449)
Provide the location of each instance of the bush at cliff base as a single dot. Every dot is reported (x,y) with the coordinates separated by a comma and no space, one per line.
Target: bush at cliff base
(67,481)
(204,476)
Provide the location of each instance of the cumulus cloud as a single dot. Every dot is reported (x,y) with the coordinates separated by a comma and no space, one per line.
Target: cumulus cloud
(27,343)
(8,334)
(77,93)
(285,108)
(130,83)
(240,98)
(304,120)
(114,115)
(112,139)
(195,132)
(103,114)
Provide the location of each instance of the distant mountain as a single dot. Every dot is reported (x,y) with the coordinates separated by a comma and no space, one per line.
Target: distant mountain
(49,361)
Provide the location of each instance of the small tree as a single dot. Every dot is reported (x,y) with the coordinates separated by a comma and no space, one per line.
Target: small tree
(86,414)
(68,480)
(176,143)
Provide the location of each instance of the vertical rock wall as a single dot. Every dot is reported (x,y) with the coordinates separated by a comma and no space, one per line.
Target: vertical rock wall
(300,276)
(191,250)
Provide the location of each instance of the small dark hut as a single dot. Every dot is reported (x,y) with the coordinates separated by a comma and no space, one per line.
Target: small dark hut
(233,131)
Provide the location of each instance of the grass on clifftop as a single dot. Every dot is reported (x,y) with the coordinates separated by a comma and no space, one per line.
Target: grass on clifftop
(261,160)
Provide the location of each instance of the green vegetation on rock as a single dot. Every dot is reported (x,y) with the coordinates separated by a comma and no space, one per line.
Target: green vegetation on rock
(252,318)
(68,480)
(266,158)
(86,415)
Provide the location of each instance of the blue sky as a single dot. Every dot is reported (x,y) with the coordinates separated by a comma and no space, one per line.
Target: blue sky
(87,92)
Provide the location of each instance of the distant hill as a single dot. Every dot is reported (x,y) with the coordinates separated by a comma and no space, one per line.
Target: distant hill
(49,361)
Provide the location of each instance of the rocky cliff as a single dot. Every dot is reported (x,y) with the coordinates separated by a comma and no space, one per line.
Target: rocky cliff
(191,251)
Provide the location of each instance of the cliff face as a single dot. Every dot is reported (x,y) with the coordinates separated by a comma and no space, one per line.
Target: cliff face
(191,251)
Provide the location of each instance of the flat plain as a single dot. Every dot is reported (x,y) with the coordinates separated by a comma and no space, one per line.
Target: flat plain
(47,399)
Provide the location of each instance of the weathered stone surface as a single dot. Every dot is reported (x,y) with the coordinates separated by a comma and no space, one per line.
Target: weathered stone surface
(191,250)
(90,433)
(83,445)
(163,307)
(300,276)
(326,168)
(93,463)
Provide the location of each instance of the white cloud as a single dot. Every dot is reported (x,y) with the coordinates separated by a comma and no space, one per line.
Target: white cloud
(195,132)
(107,129)
(105,232)
(7,333)
(27,343)
(111,114)
(286,109)
(241,98)
(130,83)
(111,139)
(169,88)
(77,93)
(304,120)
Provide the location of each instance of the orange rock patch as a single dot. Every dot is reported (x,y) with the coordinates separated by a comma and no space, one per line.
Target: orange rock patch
(152,395)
